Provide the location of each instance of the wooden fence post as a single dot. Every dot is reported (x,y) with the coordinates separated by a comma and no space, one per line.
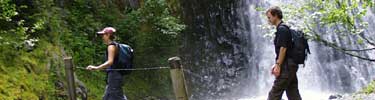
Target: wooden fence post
(70,77)
(178,79)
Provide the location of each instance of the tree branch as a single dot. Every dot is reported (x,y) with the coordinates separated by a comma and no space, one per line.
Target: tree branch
(360,34)
(333,45)
(358,49)
(343,50)
(366,39)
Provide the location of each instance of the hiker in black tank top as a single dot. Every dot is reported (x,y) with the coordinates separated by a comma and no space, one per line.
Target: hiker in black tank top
(114,79)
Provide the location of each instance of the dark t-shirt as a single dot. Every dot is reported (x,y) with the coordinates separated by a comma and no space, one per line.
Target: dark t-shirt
(283,39)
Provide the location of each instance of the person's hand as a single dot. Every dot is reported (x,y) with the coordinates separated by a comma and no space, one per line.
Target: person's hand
(276,70)
(91,67)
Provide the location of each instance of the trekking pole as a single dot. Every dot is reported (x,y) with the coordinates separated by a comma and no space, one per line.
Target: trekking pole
(178,79)
(70,77)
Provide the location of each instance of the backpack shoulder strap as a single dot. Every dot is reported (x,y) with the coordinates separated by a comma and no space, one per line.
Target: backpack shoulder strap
(283,24)
(113,43)
(116,45)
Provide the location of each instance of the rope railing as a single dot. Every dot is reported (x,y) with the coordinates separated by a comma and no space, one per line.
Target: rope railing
(176,70)
(189,72)
(132,69)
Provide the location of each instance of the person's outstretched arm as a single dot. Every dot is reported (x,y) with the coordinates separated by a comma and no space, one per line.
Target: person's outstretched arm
(109,62)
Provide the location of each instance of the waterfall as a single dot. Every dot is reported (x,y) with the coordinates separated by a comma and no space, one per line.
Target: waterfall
(228,57)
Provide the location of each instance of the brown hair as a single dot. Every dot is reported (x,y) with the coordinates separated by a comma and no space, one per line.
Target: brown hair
(275,11)
(112,36)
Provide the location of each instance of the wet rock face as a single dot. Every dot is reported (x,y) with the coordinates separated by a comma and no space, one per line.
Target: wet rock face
(211,47)
(332,97)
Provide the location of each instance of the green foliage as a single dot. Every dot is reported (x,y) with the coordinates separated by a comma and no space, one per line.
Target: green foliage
(24,72)
(36,36)
(343,12)
(25,76)
(327,13)
(156,35)
(152,31)
(370,88)
(8,10)
(344,16)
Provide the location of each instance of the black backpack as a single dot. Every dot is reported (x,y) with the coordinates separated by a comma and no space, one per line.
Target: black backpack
(300,47)
(125,58)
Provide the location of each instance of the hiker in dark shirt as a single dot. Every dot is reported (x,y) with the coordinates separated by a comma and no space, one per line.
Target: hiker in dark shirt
(284,68)
(114,79)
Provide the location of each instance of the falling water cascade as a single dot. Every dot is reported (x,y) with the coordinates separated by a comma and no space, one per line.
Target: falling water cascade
(226,50)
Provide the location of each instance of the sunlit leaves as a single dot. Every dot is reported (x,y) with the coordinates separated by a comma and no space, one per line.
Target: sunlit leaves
(156,12)
(347,14)
(7,9)
(170,25)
